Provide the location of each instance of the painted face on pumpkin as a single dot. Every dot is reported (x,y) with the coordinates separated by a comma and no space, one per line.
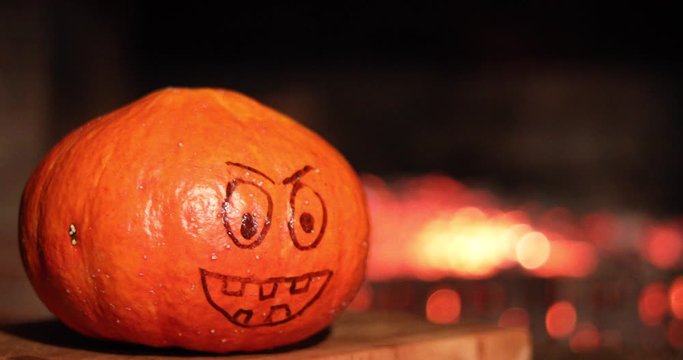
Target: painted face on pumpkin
(247,218)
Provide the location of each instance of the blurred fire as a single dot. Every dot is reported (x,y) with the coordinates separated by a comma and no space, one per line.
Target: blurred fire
(433,227)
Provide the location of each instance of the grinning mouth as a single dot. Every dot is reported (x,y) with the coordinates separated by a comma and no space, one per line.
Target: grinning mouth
(249,302)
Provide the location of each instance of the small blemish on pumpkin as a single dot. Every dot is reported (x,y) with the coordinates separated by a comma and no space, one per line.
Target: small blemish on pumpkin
(118,321)
(224,340)
(213,331)
(72,234)
(258,257)
(68,291)
(214,256)
(141,274)
(228,246)
(180,144)
(180,334)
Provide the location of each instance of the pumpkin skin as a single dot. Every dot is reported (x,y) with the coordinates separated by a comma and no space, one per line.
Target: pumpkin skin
(194,218)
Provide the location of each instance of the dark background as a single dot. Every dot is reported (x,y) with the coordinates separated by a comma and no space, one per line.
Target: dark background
(573,105)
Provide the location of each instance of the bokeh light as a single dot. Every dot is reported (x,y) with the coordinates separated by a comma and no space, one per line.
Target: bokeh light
(585,339)
(443,306)
(560,319)
(676,297)
(663,245)
(533,250)
(514,317)
(653,304)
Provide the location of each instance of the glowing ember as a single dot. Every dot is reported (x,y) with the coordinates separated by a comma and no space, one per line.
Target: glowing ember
(586,338)
(514,317)
(663,246)
(560,320)
(653,304)
(533,250)
(676,297)
(443,306)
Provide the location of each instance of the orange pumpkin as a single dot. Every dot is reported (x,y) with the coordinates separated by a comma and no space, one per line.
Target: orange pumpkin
(195,218)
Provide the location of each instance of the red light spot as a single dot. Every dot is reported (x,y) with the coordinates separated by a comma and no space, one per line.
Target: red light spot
(560,320)
(586,338)
(443,306)
(600,228)
(363,299)
(653,304)
(675,334)
(676,297)
(663,246)
(514,317)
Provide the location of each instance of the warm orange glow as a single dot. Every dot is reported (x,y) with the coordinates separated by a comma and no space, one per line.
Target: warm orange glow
(431,227)
(674,334)
(663,246)
(653,304)
(676,297)
(443,306)
(363,299)
(469,244)
(560,320)
(569,258)
(586,338)
(514,317)
(533,250)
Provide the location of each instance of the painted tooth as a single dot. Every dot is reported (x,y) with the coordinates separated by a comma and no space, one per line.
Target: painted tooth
(278,313)
(300,284)
(267,290)
(233,287)
(243,316)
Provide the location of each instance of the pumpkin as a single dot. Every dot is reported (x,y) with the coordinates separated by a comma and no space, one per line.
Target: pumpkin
(194,218)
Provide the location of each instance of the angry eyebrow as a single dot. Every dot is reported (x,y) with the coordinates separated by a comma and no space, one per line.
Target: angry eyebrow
(230,163)
(297,175)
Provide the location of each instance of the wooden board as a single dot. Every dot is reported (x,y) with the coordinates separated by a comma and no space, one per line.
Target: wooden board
(354,336)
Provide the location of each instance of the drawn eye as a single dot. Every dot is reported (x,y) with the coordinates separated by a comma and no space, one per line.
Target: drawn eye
(247,212)
(307,217)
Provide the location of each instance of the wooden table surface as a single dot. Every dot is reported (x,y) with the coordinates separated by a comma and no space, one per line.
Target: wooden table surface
(353,336)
